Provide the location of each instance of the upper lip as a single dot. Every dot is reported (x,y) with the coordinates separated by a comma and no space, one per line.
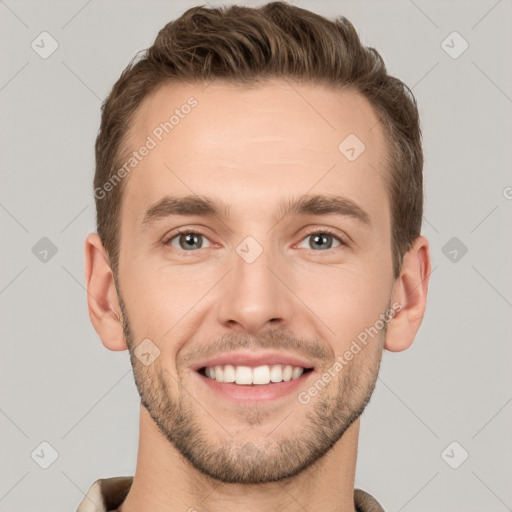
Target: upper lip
(240,358)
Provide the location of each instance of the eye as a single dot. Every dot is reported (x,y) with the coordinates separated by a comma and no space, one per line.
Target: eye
(323,240)
(187,240)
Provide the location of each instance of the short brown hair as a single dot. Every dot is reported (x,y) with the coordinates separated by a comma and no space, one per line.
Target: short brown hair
(246,46)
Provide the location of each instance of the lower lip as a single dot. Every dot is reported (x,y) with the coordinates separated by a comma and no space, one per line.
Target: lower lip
(251,394)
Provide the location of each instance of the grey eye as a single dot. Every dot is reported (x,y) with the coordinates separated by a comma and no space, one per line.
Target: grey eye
(321,241)
(188,241)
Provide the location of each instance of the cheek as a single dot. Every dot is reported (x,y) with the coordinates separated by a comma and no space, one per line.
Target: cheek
(345,300)
(163,301)
(149,300)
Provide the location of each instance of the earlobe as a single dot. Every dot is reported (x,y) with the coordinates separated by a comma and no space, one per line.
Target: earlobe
(410,292)
(102,300)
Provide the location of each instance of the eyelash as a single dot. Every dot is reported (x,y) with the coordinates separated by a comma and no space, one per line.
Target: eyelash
(323,231)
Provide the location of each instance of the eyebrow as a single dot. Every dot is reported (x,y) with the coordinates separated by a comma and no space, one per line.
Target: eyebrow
(318,204)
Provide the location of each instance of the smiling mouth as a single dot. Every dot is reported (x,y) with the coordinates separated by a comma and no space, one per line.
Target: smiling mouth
(253,376)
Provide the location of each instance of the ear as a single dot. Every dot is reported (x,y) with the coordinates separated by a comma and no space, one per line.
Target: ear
(102,300)
(410,295)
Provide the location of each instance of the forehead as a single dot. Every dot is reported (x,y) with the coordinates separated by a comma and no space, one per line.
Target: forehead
(252,146)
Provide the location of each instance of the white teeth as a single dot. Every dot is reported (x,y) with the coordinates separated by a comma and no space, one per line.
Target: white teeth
(276,373)
(287,373)
(229,373)
(219,373)
(243,375)
(260,375)
(297,372)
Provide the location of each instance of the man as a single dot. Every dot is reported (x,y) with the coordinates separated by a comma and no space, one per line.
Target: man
(259,202)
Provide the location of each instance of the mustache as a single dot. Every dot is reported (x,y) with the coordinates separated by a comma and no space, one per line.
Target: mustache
(278,340)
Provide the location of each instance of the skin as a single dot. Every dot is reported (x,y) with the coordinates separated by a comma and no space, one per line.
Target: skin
(252,148)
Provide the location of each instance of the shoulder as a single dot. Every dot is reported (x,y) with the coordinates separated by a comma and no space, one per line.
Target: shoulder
(365,502)
(106,494)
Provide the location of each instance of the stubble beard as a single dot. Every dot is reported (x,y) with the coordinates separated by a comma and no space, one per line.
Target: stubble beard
(269,459)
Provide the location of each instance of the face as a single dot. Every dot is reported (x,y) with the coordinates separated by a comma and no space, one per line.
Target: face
(254,249)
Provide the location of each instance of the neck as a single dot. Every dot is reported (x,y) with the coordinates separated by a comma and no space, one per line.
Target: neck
(165,481)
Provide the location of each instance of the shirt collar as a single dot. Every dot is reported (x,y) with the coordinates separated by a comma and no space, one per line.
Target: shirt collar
(107,494)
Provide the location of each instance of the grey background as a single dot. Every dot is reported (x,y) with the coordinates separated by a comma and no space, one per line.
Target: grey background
(59,385)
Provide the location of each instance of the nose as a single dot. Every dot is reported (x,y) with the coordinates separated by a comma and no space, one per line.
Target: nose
(254,295)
